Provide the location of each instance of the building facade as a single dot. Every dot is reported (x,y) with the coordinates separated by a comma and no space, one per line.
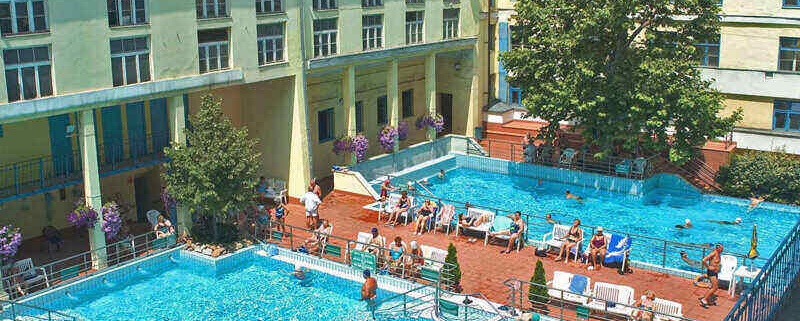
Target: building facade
(754,62)
(96,89)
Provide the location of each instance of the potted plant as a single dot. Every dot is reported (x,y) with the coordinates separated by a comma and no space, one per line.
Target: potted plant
(388,137)
(402,130)
(537,293)
(359,145)
(85,217)
(452,268)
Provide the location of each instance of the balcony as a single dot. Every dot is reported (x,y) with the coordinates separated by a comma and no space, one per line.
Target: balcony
(46,173)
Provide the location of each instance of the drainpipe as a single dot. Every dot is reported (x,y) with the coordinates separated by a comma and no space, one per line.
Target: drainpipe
(489,35)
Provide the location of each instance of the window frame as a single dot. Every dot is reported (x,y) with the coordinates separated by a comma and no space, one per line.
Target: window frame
(204,14)
(796,54)
(206,47)
(787,113)
(330,134)
(271,5)
(371,3)
(450,24)
(705,47)
(134,14)
(373,30)
(796,5)
(511,92)
(137,55)
(359,109)
(382,108)
(30,16)
(262,42)
(37,77)
(332,36)
(328,5)
(415,29)
(407,109)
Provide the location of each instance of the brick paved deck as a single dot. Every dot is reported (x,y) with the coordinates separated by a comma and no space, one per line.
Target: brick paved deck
(484,268)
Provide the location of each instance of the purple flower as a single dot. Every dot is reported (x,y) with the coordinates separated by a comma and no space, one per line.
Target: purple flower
(112,220)
(434,121)
(342,144)
(359,144)
(387,137)
(402,130)
(10,240)
(82,216)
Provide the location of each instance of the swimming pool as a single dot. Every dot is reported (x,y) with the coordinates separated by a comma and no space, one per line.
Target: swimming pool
(254,288)
(619,205)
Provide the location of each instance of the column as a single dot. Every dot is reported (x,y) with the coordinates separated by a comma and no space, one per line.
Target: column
(299,152)
(349,102)
(430,89)
(91,186)
(392,98)
(475,111)
(176,112)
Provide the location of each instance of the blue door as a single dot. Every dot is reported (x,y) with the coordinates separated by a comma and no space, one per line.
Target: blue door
(159,125)
(137,133)
(61,145)
(113,149)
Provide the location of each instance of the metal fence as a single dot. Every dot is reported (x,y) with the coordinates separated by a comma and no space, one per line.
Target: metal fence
(423,302)
(772,286)
(10,312)
(25,282)
(359,255)
(569,306)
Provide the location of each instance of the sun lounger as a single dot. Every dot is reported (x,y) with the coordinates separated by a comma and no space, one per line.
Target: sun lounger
(362,239)
(666,310)
(611,298)
(434,257)
(556,237)
(560,288)
(445,218)
(474,213)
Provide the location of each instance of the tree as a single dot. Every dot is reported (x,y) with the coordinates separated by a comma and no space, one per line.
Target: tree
(215,173)
(775,176)
(537,292)
(453,269)
(623,70)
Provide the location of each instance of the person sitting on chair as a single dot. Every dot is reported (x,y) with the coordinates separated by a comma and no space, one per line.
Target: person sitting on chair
(424,214)
(163,228)
(597,247)
(514,230)
(318,237)
(573,240)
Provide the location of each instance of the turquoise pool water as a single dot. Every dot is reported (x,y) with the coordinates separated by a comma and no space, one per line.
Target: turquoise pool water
(655,214)
(262,290)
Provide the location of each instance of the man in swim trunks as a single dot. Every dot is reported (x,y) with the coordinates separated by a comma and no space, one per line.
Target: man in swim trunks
(386,187)
(569,195)
(712,264)
(754,202)
(737,221)
(514,230)
(368,290)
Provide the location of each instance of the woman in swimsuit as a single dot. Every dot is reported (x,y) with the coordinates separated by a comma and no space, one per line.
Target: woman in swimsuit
(163,227)
(402,207)
(597,246)
(396,251)
(280,215)
(574,238)
(646,305)
(424,214)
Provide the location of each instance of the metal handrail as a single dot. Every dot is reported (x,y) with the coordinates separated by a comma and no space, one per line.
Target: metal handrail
(375,307)
(11,307)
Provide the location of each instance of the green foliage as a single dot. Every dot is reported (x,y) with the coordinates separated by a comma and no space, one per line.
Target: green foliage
(538,293)
(775,176)
(452,258)
(610,66)
(215,173)
(228,234)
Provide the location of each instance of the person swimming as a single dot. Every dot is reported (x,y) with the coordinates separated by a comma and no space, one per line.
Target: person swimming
(737,221)
(686,224)
(693,263)
(569,195)
(550,219)
(441,174)
(754,202)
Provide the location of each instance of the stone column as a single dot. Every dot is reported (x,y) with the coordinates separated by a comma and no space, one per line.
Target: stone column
(430,89)
(349,102)
(475,112)
(176,112)
(299,154)
(91,186)
(392,99)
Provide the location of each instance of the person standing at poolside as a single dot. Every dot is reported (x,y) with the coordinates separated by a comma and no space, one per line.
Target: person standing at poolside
(314,187)
(386,187)
(712,264)
(754,202)
(311,201)
(370,287)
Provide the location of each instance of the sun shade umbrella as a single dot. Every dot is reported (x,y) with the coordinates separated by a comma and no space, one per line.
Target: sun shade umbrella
(753,254)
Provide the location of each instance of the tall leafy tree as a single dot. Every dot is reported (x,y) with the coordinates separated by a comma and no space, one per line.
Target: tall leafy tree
(216,172)
(624,70)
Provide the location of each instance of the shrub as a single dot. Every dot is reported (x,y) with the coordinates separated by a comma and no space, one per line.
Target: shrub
(775,176)
(538,290)
(452,259)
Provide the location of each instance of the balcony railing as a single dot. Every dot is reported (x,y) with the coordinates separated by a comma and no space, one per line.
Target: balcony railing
(45,173)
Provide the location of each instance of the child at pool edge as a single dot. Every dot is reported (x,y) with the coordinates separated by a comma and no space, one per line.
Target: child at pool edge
(368,290)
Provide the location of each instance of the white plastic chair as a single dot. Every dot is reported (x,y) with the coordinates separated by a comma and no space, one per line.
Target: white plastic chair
(434,257)
(475,213)
(30,273)
(559,287)
(152,217)
(666,310)
(445,218)
(728,264)
(606,292)
(362,239)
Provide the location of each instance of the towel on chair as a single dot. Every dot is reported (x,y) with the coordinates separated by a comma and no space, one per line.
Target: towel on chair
(578,284)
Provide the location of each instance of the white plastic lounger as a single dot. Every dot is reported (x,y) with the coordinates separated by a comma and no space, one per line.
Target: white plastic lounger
(607,292)
(557,236)
(30,273)
(559,287)
(362,239)
(475,213)
(445,218)
(666,310)
(434,257)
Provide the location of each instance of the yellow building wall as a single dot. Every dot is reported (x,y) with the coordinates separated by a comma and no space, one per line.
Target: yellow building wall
(267,114)
(752,46)
(758,8)
(757,112)
(24,141)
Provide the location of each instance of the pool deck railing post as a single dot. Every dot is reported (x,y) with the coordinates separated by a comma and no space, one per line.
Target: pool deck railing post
(664,255)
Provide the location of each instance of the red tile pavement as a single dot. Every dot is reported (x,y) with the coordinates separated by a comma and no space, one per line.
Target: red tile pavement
(484,268)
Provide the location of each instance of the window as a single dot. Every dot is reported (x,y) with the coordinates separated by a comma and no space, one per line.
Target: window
(1,130)
(359,116)
(408,103)
(791,3)
(372,31)
(371,3)
(23,16)
(268,6)
(383,110)
(709,52)
(786,115)
(325,37)
(211,9)
(325,123)
(213,49)
(516,95)
(126,12)
(450,23)
(28,73)
(270,43)
(789,54)
(415,1)
(324,4)
(414,21)
(130,61)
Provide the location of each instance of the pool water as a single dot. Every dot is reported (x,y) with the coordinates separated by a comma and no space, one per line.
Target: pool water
(654,215)
(263,290)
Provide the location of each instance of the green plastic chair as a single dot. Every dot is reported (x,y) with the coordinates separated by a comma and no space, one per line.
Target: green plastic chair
(583,312)
(447,307)
(333,250)
(429,274)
